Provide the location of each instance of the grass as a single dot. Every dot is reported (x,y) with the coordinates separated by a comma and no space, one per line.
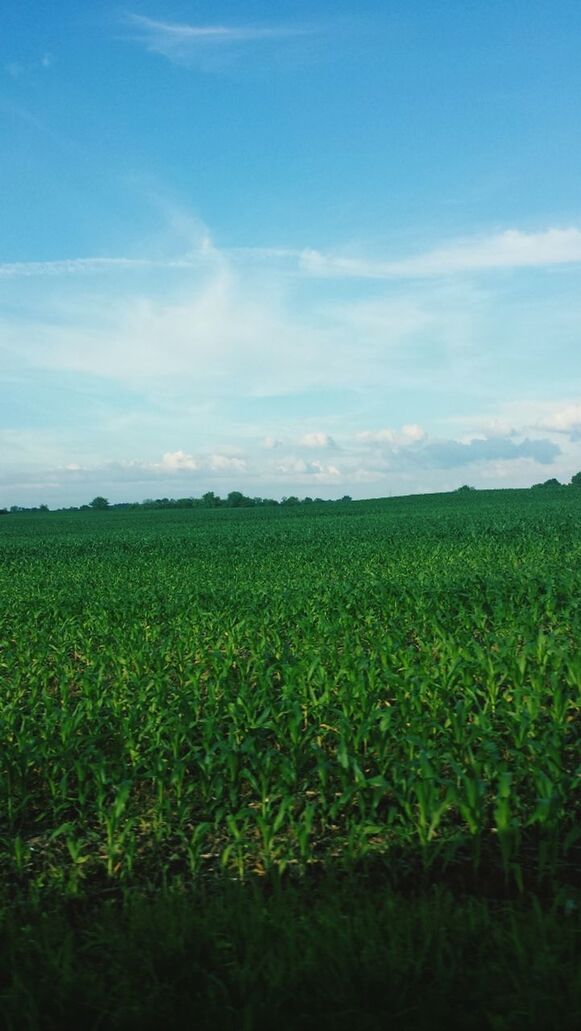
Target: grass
(288,757)
(338,954)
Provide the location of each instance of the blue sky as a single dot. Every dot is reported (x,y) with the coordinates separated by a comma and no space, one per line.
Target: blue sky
(286,247)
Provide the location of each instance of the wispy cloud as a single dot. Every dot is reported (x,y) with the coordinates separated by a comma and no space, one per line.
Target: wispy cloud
(182,42)
(18,69)
(76,266)
(510,249)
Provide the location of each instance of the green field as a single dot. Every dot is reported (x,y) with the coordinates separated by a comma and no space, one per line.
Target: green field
(307,766)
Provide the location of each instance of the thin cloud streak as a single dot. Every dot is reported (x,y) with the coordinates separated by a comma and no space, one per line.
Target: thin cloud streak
(74,266)
(510,249)
(68,266)
(213,33)
(179,41)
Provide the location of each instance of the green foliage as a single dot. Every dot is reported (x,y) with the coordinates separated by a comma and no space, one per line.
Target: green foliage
(99,504)
(576,480)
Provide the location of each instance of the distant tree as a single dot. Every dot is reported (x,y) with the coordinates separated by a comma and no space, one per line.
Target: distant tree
(4,511)
(99,504)
(211,500)
(576,480)
(292,500)
(44,508)
(308,501)
(346,497)
(236,499)
(464,489)
(550,484)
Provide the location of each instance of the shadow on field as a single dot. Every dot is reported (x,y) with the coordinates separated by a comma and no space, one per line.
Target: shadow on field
(339,952)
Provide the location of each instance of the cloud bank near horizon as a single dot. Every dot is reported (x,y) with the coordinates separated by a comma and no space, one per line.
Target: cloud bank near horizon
(363,460)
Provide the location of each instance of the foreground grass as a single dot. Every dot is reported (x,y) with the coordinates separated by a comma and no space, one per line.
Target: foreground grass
(338,953)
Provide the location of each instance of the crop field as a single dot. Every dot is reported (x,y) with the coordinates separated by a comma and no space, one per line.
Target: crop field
(310,766)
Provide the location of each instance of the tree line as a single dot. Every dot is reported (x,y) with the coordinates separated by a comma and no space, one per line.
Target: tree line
(236,499)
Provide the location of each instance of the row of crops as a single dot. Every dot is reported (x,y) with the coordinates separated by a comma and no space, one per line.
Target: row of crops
(189,694)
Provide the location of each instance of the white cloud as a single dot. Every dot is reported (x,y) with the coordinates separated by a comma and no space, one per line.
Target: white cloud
(177,461)
(564,420)
(293,467)
(223,463)
(412,433)
(272,442)
(320,440)
(408,435)
(325,470)
(182,461)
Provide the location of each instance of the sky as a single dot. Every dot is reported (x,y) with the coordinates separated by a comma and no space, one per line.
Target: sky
(288,248)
